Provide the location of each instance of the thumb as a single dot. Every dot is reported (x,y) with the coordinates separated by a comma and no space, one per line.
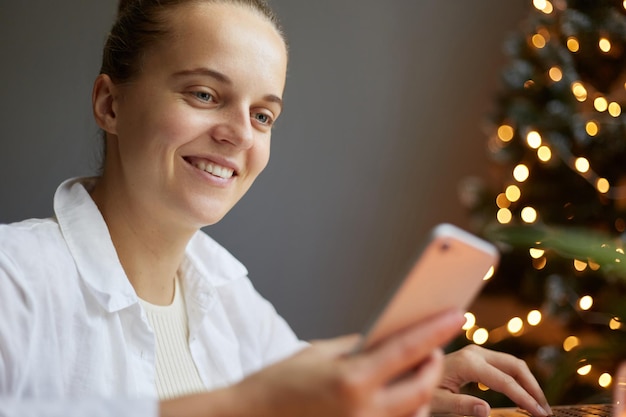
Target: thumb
(445,401)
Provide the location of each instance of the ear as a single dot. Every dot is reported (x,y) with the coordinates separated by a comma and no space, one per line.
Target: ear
(103,103)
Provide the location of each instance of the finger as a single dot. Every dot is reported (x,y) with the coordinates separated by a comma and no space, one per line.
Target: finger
(525,381)
(508,384)
(445,401)
(405,350)
(414,391)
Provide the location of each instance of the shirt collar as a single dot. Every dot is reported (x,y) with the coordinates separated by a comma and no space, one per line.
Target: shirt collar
(90,244)
(207,264)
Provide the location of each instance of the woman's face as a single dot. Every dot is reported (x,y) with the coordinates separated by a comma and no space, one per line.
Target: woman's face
(192,131)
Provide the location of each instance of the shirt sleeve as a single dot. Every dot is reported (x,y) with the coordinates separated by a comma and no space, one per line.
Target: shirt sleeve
(94,407)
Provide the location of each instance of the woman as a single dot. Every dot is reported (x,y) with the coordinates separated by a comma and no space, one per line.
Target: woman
(126,300)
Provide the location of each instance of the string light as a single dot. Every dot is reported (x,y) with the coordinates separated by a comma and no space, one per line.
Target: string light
(470,321)
(541,4)
(502,201)
(544,153)
(540,263)
(533,138)
(584,370)
(582,164)
(513,193)
(615,109)
(505,133)
(515,325)
(538,40)
(580,265)
(592,128)
(604,44)
(605,380)
(570,343)
(480,336)
(602,185)
(536,253)
(579,90)
(489,273)
(504,216)
(534,317)
(615,323)
(555,74)
(521,173)
(482,387)
(601,104)
(572,44)
(529,215)
(585,303)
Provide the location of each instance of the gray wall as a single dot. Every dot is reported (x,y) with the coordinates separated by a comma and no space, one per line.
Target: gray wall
(386,102)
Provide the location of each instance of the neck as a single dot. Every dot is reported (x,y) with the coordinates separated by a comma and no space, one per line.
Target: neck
(149,248)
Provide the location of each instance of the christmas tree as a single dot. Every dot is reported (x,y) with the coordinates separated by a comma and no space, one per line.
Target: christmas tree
(556,202)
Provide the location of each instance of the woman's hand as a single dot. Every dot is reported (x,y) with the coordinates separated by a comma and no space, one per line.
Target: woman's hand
(499,371)
(397,377)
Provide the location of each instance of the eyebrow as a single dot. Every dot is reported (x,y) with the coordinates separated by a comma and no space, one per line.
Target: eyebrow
(223,78)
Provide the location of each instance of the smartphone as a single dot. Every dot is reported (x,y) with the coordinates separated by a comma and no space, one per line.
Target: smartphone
(448,272)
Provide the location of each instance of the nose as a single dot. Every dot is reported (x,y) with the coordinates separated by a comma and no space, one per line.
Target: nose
(234,126)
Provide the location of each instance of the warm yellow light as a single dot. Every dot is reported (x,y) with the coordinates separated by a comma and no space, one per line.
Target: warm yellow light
(581,164)
(529,214)
(604,44)
(615,324)
(600,104)
(585,302)
(533,138)
(592,128)
(572,44)
(540,263)
(505,133)
(544,153)
(615,109)
(534,317)
(593,266)
(580,265)
(470,321)
(513,193)
(536,253)
(624,4)
(480,336)
(580,92)
(539,4)
(555,74)
(605,380)
(515,325)
(584,370)
(602,185)
(502,201)
(489,273)
(482,387)
(504,216)
(521,173)
(548,9)
(538,41)
(570,343)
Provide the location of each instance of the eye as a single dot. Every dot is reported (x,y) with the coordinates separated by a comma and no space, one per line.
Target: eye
(204,96)
(263,118)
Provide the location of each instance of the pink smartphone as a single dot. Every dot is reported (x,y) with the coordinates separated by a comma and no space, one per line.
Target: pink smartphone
(448,273)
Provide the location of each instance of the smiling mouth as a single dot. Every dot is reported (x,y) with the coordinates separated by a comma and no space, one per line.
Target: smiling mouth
(212,168)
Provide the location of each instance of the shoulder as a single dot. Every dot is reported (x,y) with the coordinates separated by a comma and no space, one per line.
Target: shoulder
(212,260)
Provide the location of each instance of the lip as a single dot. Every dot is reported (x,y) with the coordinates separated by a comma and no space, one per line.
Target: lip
(212,159)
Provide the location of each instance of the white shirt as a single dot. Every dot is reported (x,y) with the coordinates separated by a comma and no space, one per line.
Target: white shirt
(74,340)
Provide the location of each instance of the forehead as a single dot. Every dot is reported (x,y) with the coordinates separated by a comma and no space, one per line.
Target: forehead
(223,34)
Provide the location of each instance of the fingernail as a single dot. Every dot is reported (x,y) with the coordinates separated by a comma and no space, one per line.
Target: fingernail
(541,411)
(481,411)
(547,408)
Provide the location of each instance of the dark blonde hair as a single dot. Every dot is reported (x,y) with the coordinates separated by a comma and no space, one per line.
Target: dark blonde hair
(140,23)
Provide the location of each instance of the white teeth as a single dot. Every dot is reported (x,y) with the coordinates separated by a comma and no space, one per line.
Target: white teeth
(217,170)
